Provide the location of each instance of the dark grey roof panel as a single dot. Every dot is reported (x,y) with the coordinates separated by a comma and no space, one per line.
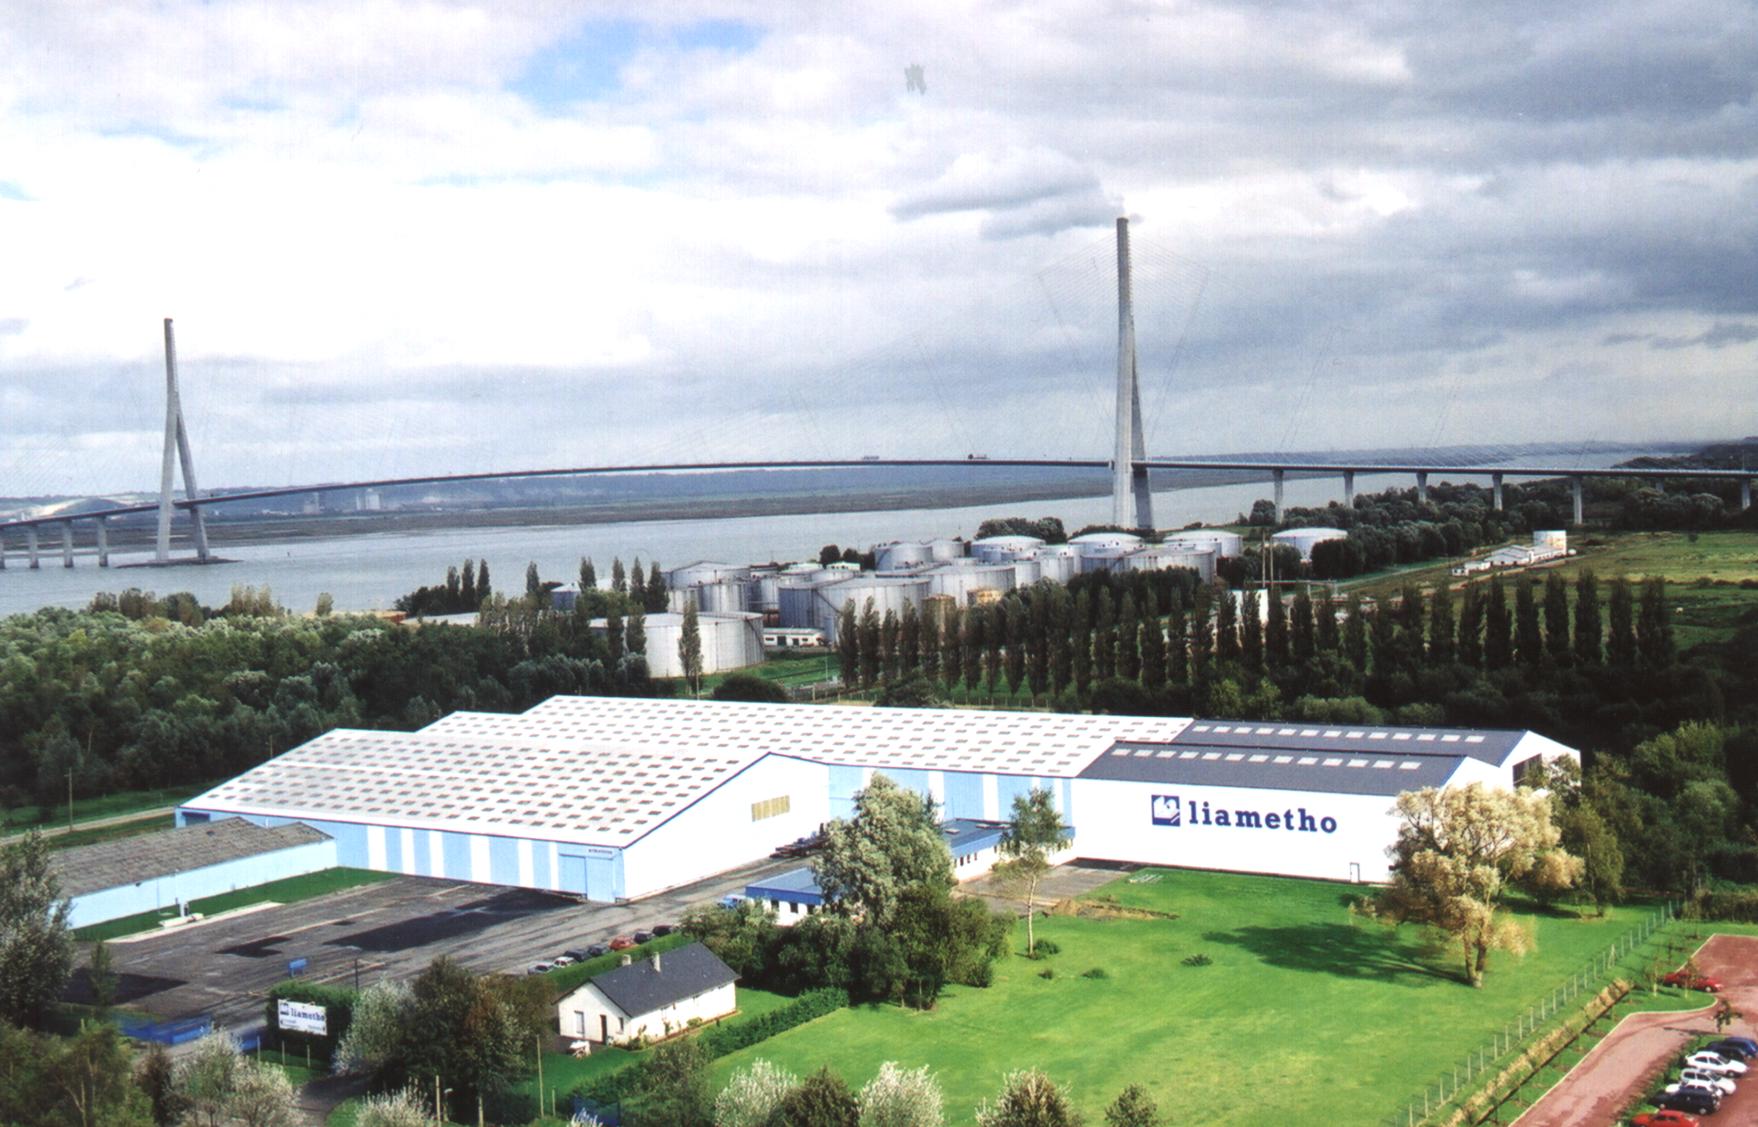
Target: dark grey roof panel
(1492,746)
(130,860)
(644,986)
(1206,765)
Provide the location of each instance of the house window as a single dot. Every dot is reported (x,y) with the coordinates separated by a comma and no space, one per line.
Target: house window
(771,807)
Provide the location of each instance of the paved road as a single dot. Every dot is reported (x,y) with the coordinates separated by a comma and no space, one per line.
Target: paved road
(1628,1061)
(393,928)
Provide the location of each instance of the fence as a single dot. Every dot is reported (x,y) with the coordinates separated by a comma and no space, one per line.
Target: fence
(1447,1093)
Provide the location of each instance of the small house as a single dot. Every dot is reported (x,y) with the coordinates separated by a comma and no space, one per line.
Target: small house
(652,998)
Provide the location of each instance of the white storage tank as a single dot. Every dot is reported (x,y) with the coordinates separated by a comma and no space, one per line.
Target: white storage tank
(1104,557)
(704,571)
(796,600)
(1304,538)
(963,582)
(1058,562)
(1026,573)
(946,548)
(995,549)
(1095,542)
(903,554)
(765,589)
(1160,557)
(1226,545)
(725,597)
(729,641)
(1556,539)
(889,593)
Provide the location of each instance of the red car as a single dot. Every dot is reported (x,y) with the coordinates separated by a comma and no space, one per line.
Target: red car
(1665,1117)
(621,943)
(1701,982)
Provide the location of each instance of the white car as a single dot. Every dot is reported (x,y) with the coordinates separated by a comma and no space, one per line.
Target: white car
(1715,1062)
(1703,1079)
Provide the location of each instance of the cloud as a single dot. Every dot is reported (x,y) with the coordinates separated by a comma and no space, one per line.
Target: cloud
(1720,335)
(1036,192)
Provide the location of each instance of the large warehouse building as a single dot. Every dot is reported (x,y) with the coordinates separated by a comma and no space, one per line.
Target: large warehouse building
(615,798)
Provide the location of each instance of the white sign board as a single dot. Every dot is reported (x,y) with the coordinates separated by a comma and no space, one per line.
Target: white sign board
(302,1017)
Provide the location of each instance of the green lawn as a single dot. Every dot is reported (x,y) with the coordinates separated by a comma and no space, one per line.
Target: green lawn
(288,891)
(134,827)
(1351,1018)
(102,806)
(786,669)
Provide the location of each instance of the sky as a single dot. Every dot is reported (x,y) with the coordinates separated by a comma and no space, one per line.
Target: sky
(416,236)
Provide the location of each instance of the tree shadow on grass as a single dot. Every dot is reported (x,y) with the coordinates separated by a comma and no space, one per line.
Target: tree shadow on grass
(1363,951)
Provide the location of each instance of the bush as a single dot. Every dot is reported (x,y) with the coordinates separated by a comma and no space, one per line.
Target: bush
(1733,906)
(1046,947)
(1197,960)
(1095,972)
(1047,972)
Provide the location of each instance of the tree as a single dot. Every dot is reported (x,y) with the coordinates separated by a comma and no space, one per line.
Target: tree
(749,686)
(483,588)
(1251,633)
(1556,619)
(615,635)
(1498,651)
(36,948)
(461,1031)
(1470,643)
(888,651)
(1355,634)
(90,1083)
(101,974)
(1589,649)
(1301,629)
(1440,625)
(206,1077)
(671,1087)
(871,655)
(1457,852)
(1133,1107)
(891,844)
(635,633)
(1029,1099)
(1227,628)
(1621,613)
(951,647)
(1654,628)
(533,584)
(753,1095)
(1276,639)
(588,575)
(1528,637)
(401,1108)
(156,1076)
(375,1029)
(848,644)
(1153,645)
(1128,662)
(467,588)
(690,647)
(1033,833)
(638,586)
(1177,645)
(901,1097)
(619,580)
(822,1099)
(326,605)
(262,1096)
(1081,641)
(909,641)
(912,691)
(657,595)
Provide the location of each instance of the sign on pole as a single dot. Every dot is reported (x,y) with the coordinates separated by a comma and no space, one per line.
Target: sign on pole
(301,1017)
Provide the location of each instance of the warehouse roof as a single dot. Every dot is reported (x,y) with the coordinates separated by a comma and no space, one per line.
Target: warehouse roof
(112,864)
(1270,769)
(649,984)
(1491,746)
(796,886)
(583,788)
(931,739)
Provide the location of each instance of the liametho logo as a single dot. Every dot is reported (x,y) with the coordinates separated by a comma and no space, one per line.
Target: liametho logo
(1169,809)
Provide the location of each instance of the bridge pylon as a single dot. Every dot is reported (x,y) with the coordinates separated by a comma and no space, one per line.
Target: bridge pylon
(176,451)
(1132,505)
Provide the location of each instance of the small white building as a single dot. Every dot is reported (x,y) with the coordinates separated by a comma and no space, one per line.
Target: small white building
(652,998)
(792,638)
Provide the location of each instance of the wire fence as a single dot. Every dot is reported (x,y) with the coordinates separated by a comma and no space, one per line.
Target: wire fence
(1443,1097)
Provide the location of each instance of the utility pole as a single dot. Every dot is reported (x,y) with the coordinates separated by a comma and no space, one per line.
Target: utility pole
(70,800)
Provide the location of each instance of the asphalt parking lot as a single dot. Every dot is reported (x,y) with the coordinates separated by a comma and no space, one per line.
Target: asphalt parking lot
(393,928)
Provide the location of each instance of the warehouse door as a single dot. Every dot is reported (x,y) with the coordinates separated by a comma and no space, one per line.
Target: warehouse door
(600,878)
(573,875)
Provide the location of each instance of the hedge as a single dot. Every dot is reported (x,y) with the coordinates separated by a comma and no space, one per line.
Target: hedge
(565,980)
(722,1040)
(337,1001)
(1734,906)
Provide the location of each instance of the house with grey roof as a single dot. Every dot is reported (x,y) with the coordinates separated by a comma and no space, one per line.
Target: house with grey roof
(649,998)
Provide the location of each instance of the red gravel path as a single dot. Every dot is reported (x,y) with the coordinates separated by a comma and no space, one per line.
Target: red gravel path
(1627,1062)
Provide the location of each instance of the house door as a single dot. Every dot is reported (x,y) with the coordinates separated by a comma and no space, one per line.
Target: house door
(579,1025)
(604,1028)
(1354,872)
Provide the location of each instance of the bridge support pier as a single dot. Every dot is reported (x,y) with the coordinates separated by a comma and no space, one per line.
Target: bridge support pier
(67,544)
(1348,489)
(1745,494)
(1495,485)
(1421,488)
(1576,490)
(1278,476)
(30,545)
(2,553)
(103,524)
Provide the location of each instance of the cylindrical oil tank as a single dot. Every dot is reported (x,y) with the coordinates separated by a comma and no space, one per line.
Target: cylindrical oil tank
(1058,562)
(795,599)
(1226,544)
(704,571)
(1106,542)
(1556,539)
(1026,572)
(1103,557)
(961,583)
(805,568)
(1160,557)
(1304,538)
(889,593)
(765,590)
(994,549)
(946,548)
(729,641)
(721,598)
(903,554)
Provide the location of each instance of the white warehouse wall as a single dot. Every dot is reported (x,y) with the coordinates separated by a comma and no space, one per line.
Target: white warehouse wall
(1115,821)
(717,833)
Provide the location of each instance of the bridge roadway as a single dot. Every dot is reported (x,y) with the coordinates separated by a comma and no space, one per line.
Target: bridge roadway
(1277,470)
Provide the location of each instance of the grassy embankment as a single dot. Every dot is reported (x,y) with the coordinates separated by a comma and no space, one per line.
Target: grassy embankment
(1296,983)
(288,891)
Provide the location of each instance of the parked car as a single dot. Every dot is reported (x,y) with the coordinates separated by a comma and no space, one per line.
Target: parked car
(1665,1117)
(597,949)
(731,900)
(643,937)
(1733,1048)
(537,968)
(1710,1061)
(564,960)
(1698,1101)
(1697,1078)
(664,929)
(1699,982)
(621,943)
(578,954)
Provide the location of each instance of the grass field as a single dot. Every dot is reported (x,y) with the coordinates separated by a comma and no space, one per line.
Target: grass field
(788,669)
(133,827)
(1343,1018)
(89,809)
(288,891)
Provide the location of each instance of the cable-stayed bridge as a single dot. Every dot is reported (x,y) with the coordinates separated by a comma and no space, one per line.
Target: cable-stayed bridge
(1132,470)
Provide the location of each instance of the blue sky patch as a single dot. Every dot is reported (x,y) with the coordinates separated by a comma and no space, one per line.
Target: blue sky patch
(11,191)
(585,66)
